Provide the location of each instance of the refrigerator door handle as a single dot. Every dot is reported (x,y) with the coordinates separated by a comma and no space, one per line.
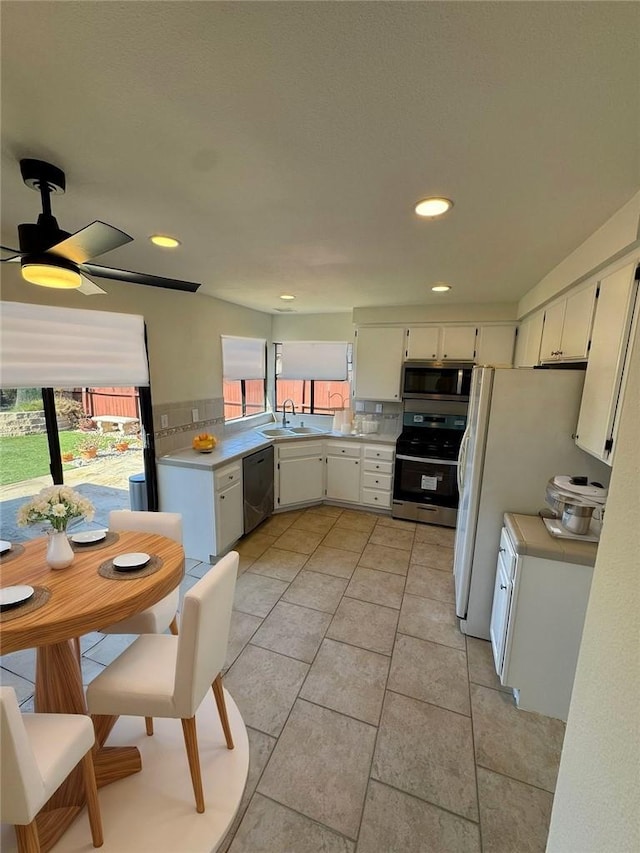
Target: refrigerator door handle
(462,458)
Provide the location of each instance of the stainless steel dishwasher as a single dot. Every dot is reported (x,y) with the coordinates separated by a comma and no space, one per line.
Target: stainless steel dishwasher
(257,478)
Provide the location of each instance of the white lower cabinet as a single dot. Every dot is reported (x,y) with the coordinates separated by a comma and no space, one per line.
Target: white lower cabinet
(343,471)
(299,472)
(377,475)
(211,505)
(229,509)
(538,613)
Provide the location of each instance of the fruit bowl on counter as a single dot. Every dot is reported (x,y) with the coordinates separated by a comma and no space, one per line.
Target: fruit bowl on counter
(204,442)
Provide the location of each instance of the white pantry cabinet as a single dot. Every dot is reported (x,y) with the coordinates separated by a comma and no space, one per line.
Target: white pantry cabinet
(299,472)
(380,351)
(343,471)
(604,381)
(567,326)
(528,341)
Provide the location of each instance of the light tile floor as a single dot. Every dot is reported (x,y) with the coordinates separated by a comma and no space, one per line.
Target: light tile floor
(374,724)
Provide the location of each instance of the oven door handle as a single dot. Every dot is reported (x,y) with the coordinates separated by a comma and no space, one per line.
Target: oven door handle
(462,459)
(426,459)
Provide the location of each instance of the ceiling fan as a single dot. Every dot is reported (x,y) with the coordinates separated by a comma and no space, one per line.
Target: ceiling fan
(52,257)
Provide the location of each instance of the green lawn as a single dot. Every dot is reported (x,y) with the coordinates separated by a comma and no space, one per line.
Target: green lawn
(25,456)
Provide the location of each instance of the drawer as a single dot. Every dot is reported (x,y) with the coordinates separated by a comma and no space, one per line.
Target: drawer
(371,480)
(349,449)
(373,497)
(374,451)
(299,449)
(506,552)
(378,467)
(224,477)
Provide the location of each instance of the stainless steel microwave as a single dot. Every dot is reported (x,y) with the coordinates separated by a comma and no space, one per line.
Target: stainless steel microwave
(436,380)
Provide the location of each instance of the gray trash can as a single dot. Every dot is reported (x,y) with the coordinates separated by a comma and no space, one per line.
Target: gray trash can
(138,492)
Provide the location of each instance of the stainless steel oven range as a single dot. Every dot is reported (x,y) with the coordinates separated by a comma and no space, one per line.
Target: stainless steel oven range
(425,485)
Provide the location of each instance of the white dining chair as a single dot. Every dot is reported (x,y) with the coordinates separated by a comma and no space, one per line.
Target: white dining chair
(39,751)
(162,615)
(161,675)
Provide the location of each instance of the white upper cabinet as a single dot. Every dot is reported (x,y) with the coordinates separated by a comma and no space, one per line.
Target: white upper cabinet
(495,344)
(567,326)
(451,343)
(424,342)
(528,341)
(378,362)
(604,379)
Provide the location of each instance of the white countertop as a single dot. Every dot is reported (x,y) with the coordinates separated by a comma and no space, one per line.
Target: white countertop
(243,443)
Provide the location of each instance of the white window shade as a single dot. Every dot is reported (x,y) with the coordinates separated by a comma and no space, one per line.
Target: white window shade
(48,347)
(243,358)
(314,360)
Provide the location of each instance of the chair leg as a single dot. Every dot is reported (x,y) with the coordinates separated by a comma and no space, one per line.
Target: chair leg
(191,744)
(148,721)
(93,806)
(173,627)
(27,838)
(218,692)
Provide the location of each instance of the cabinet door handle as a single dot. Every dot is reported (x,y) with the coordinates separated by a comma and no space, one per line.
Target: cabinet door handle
(357,463)
(501,550)
(503,586)
(377,481)
(221,497)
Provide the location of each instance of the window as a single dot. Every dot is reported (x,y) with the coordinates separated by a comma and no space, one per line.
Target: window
(244,376)
(314,396)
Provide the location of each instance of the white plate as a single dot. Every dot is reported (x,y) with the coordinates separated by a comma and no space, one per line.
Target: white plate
(4,546)
(89,536)
(131,561)
(12,595)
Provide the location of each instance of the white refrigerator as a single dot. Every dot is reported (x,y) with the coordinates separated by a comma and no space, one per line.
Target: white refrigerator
(520,432)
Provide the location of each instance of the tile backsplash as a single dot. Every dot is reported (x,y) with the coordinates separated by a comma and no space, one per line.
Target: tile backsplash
(181,426)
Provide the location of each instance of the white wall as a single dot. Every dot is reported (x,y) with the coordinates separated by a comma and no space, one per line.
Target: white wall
(618,235)
(446,313)
(183,329)
(597,801)
(312,327)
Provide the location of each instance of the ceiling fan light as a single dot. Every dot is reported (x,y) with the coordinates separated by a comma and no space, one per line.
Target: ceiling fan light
(164,240)
(434,206)
(62,277)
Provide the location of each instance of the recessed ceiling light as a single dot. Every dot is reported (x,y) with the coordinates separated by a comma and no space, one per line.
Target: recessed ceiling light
(164,240)
(441,288)
(287,296)
(435,206)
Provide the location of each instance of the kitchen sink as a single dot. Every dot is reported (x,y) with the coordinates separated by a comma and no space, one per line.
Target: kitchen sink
(306,430)
(291,432)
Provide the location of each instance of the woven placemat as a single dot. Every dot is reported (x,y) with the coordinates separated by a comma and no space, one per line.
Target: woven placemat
(39,598)
(16,550)
(106,570)
(110,539)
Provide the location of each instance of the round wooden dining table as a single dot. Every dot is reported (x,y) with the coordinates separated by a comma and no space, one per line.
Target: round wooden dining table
(80,601)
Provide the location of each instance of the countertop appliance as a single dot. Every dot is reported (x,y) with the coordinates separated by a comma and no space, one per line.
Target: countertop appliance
(436,380)
(425,485)
(577,503)
(257,478)
(519,433)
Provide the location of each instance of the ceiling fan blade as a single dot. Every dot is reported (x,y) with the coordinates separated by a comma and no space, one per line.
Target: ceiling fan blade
(90,288)
(141,278)
(90,242)
(14,252)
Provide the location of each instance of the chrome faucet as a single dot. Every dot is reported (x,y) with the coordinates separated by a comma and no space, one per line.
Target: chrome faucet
(284,411)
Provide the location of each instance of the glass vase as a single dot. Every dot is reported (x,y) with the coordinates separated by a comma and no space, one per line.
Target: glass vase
(59,551)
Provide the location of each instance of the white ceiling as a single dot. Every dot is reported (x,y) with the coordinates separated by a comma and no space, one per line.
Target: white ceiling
(285,143)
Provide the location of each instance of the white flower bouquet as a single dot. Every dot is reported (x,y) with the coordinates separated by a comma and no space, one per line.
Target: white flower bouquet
(57,506)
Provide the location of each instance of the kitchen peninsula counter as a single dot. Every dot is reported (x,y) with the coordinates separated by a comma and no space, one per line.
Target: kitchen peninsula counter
(531,538)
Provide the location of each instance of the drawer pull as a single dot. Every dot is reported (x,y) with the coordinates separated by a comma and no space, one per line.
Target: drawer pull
(501,550)
(221,497)
(377,467)
(503,586)
(377,481)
